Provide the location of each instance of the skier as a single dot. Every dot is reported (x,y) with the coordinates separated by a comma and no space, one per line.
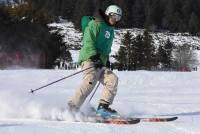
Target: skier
(97,41)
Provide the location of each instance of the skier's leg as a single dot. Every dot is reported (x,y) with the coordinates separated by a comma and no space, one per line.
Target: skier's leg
(90,77)
(110,82)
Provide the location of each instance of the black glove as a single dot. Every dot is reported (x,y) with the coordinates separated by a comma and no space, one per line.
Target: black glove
(97,61)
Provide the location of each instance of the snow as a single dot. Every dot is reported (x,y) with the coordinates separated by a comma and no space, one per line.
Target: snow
(140,94)
(75,55)
(72,37)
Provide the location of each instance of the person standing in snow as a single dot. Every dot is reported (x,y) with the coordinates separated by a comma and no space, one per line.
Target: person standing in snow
(97,41)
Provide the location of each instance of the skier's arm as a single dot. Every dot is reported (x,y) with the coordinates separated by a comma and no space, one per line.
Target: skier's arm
(90,37)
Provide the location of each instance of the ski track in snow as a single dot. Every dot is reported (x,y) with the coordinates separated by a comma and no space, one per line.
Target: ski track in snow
(141,94)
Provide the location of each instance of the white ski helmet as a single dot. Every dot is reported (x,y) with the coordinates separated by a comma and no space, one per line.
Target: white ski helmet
(113,9)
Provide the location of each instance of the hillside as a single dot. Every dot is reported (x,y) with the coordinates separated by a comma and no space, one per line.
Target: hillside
(73,37)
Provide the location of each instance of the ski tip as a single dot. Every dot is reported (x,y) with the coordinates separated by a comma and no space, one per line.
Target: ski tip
(174,118)
(167,119)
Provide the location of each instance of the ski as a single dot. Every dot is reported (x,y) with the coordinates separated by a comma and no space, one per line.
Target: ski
(117,121)
(129,121)
(158,119)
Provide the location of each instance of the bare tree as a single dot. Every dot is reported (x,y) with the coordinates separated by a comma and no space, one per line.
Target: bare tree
(185,57)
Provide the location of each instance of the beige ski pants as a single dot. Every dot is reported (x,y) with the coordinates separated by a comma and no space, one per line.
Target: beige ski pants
(90,78)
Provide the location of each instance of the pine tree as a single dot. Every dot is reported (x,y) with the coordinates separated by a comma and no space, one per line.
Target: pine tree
(138,13)
(128,43)
(149,50)
(185,58)
(187,10)
(127,19)
(168,47)
(124,56)
(194,26)
(65,55)
(83,7)
(149,14)
(68,8)
(153,14)
(172,17)
(168,14)
(164,55)
(143,52)
(161,56)
(138,52)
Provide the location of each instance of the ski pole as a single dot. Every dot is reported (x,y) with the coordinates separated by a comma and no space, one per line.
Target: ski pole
(33,90)
(95,89)
(94,92)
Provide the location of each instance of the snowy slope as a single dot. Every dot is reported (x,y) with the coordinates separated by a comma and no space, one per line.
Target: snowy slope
(141,93)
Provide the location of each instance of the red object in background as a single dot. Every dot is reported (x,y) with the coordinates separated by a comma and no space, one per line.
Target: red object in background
(37,59)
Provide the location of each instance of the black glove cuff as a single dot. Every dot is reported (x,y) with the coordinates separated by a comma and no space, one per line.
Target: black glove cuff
(95,58)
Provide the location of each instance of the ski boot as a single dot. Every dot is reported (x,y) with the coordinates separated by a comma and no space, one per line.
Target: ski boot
(105,112)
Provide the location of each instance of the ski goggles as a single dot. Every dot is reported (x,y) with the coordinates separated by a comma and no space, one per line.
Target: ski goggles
(115,16)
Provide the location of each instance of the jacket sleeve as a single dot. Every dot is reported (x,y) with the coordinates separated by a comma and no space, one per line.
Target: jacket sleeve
(90,37)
